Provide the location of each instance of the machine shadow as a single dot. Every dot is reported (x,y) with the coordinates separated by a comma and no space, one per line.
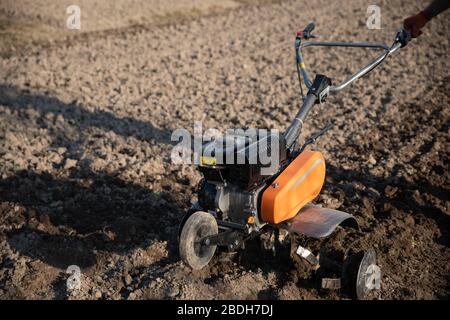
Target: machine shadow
(20,100)
(68,219)
(67,222)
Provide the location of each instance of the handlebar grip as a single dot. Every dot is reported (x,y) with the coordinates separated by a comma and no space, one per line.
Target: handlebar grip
(403,37)
(307,31)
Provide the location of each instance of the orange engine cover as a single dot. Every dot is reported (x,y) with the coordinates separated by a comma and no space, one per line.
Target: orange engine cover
(297,185)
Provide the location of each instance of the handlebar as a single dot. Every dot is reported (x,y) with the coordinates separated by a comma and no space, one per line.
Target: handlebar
(402,38)
(321,87)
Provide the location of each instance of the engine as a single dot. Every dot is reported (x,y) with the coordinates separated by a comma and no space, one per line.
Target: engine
(234,176)
(229,201)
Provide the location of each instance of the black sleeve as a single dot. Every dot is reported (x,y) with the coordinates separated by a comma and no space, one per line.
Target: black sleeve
(436,7)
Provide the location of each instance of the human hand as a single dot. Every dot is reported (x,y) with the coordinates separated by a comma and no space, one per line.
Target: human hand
(414,23)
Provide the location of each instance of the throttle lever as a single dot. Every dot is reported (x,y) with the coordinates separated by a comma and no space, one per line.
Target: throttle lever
(316,136)
(306,33)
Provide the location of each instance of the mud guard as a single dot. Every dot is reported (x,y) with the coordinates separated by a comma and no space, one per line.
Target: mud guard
(316,222)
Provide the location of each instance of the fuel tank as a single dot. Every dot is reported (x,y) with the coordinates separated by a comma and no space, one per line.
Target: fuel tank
(297,185)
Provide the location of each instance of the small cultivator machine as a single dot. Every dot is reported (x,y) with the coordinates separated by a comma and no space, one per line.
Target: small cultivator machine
(237,203)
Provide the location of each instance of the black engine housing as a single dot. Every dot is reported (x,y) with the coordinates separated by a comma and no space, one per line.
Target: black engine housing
(246,175)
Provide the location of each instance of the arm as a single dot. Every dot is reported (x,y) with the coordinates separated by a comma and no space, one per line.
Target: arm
(416,22)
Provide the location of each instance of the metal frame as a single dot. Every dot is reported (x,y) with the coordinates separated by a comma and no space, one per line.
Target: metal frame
(386,52)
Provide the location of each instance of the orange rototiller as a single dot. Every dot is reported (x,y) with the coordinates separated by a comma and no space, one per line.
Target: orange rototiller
(236,202)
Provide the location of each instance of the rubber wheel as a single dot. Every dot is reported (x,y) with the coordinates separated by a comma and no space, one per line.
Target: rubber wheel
(183,221)
(192,252)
